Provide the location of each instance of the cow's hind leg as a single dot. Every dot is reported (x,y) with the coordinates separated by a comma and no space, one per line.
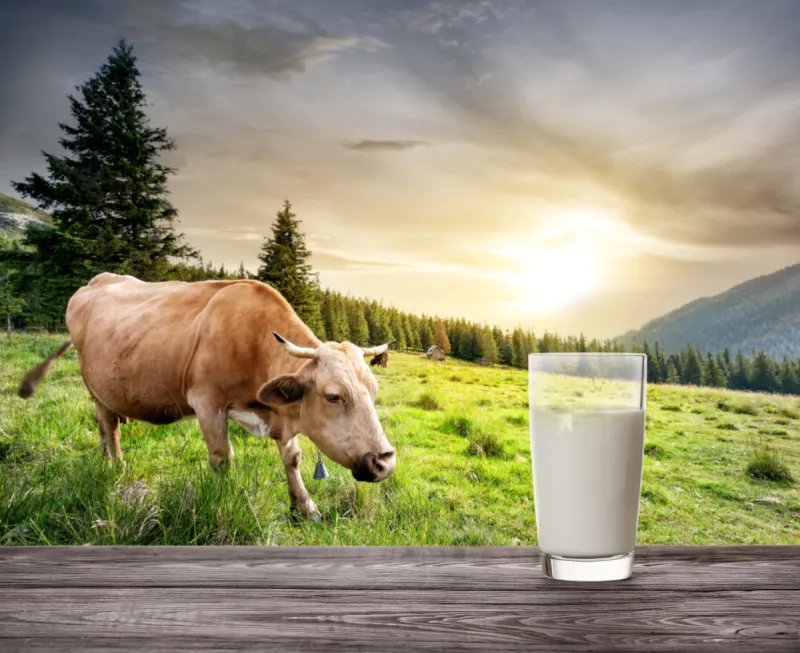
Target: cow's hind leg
(298,496)
(108,421)
(214,425)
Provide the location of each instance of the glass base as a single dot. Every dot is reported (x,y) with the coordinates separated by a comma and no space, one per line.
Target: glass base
(587,569)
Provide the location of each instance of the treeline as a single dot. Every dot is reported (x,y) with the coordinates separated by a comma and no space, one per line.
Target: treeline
(110,212)
(758,373)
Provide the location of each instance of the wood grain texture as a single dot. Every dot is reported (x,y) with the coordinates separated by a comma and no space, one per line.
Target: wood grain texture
(388,599)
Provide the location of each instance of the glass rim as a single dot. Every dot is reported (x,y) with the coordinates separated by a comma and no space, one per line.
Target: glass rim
(587,353)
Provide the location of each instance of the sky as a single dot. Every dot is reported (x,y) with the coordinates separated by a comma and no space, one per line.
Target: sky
(570,165)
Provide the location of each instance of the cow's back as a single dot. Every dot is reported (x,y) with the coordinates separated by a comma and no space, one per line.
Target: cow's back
(136,339)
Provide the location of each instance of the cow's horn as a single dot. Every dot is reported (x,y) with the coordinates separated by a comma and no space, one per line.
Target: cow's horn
(376,351)
(294,350)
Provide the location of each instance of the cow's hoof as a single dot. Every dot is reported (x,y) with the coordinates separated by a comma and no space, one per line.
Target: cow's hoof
(115,463)
(310,512)
(219,463)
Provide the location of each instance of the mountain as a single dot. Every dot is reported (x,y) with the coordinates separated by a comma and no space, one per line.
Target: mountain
(763,313)
(16,215)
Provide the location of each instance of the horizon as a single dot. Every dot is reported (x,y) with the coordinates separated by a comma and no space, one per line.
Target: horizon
(642,165)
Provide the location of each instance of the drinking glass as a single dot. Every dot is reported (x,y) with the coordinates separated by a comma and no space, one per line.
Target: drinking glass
(587,420)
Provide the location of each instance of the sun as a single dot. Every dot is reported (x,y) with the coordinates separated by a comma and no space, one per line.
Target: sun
(560,264)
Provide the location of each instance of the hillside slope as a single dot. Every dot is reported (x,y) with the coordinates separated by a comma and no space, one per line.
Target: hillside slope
(15,215)
(763,313)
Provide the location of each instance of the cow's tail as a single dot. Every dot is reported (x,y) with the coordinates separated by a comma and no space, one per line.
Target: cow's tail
(36,374)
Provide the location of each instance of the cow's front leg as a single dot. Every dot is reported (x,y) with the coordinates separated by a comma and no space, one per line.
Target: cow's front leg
(298,496)
(212,417)
(108,422)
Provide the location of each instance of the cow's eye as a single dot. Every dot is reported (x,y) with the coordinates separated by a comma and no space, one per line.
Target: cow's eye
(333,398)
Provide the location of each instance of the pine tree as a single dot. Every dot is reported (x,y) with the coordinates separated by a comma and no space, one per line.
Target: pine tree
(722,365)
(661,364)
(357,324)
(426,336)
(398,330)
(414,334)
(334,318)
(531,346)
(739,379)
(499,341)
(440,337)
(378,322)
(675,359)
(241,273)
(466,342)
(11,302)
(713,374)
(693,370)
(409,336)
(108,194)
(652,366)
(284,266)
(506,352)
(764,378)
(488,346)
(476,339)
(672,373)
(726,357)
(789,377)
(519,344)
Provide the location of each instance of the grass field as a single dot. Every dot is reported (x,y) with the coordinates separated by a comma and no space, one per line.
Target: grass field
(463,476)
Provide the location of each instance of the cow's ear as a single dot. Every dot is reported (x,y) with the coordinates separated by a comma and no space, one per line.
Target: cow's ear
(282,390)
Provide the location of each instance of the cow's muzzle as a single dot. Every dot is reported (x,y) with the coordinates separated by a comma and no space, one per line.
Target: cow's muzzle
(374,467)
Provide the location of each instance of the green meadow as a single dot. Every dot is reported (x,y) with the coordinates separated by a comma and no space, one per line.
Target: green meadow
(720,468)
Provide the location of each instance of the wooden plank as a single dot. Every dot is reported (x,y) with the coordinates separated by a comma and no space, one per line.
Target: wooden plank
(392,598)
(700,569)
(86,619)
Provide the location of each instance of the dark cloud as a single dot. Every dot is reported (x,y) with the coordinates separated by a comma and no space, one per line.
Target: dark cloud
(383,145)
(267,43)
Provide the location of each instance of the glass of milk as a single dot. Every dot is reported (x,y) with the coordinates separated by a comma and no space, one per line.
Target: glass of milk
(587,445)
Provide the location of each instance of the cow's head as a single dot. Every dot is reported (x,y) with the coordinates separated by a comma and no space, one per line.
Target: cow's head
(334,393)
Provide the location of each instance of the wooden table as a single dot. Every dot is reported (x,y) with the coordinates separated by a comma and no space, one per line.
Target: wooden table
(392,599)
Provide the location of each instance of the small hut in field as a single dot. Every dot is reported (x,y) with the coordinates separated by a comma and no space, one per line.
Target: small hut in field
(435,353)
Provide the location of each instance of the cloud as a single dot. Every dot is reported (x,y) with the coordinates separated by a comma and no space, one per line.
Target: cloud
(244,233)
(333,262)
(677,118)
(685,120)
(383,145)
(266,39)
(433,17)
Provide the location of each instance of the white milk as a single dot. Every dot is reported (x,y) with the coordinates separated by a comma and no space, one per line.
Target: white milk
(587,477)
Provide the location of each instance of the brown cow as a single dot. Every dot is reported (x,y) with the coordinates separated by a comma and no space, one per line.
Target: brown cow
(161,352)
(380,359)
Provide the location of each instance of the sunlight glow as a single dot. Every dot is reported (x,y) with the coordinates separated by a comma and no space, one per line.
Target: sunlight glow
(561,262)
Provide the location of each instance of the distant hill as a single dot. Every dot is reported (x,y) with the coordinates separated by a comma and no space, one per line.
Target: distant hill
(763,313)
(15,215)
